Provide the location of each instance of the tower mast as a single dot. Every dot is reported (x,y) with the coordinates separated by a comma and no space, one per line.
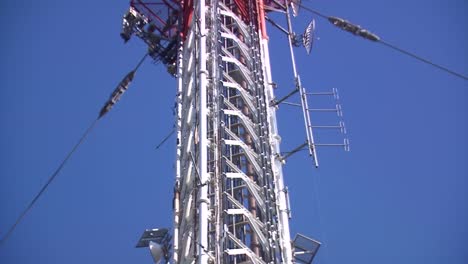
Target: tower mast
(230,204)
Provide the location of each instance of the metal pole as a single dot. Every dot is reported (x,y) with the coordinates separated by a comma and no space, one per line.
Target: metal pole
(203,144)
(175,256)
(307,123)
(283,225)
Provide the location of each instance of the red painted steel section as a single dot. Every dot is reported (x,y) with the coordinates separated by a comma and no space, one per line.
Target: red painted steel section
(162,11)
(243,9)
(188,15)
(275,5)
(159,13)
(261,18)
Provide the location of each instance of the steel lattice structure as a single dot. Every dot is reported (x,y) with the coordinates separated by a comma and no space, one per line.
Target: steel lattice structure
(230,206)
(230,202)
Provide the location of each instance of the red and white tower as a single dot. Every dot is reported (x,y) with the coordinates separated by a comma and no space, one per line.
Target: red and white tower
(230,202)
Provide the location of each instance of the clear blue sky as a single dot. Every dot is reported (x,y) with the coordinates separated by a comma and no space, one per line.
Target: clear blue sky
(400,195)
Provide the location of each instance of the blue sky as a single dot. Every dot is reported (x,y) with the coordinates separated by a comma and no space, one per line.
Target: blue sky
(400,195)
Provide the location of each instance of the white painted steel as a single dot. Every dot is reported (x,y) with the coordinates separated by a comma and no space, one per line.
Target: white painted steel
(203,212)
(275,140)
(230,181)
(184,209)
(175,243)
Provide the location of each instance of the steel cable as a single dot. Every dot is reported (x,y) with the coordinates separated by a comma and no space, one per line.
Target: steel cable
(115,96)
(49,181)
(358,31)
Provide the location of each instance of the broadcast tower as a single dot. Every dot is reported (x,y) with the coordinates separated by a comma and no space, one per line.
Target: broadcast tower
(230,202)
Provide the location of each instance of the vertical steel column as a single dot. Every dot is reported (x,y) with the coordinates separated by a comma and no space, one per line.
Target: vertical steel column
(203,212)
(274,140)
(187,218)
(177,186)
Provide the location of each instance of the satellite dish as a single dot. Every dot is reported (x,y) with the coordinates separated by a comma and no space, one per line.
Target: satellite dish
(156,251)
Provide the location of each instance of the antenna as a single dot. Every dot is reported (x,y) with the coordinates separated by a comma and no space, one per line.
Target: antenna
(308,36)
(305,249)
(159,243)
(303,94)
(295,6)
(306,39)
(336,109)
